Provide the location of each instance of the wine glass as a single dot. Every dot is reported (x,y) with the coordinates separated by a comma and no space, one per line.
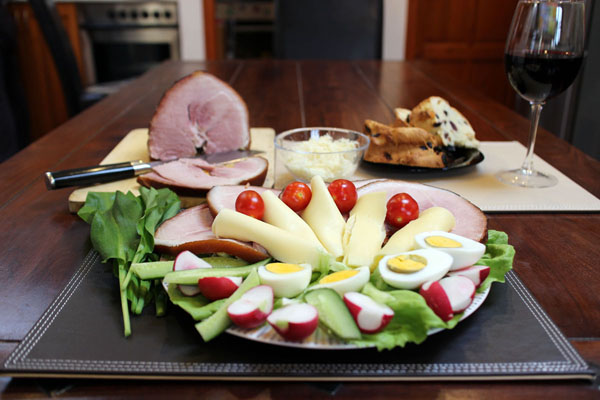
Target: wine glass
(543,54)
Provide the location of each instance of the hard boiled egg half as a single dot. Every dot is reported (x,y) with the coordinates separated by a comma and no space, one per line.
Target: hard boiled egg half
(411,269)
(286,280)
(350,280)
(465,252)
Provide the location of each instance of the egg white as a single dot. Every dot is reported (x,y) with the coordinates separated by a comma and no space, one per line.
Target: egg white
(286,285)
(353,284)
(465,256)
(438,264)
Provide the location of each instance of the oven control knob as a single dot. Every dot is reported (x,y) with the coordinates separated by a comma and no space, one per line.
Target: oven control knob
(111,14)
(122,14)
(133,14)
(144,14)
(168,14)
(156,14)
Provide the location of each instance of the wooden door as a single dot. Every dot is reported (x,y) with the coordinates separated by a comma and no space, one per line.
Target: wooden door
(466,39)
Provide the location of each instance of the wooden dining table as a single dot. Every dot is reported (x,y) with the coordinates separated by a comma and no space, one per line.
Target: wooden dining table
(557,258)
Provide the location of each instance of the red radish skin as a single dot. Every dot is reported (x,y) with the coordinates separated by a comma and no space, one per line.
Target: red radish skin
(370,316)
(460,291)
(437,299)
(215,288)
(295,321)
(253,308)
(188,260)
(477,273)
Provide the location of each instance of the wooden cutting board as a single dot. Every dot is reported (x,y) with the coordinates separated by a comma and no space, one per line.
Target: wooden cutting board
(134,147)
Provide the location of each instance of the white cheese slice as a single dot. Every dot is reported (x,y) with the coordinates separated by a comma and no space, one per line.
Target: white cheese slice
(324,218)
(432,219)
(278,214)
(365,231)
(280,244)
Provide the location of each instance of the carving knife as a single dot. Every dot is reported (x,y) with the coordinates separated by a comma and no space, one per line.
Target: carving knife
(113,172)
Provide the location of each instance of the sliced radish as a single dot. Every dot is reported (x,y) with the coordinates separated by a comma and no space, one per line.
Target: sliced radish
(215,288)
(460,291)
(253,308)
(188,260)
(294,321)
(370,316)
(476,273)
(437,299)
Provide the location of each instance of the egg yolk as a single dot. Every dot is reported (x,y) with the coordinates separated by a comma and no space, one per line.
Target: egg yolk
(339,276)
(283,268)
(441,241)
(406,264)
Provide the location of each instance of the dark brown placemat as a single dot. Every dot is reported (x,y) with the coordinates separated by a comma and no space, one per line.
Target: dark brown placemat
(509,337)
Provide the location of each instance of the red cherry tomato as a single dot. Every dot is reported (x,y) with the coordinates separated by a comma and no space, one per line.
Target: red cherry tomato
(401,209)
(250,203)
(344,194)
(296,195)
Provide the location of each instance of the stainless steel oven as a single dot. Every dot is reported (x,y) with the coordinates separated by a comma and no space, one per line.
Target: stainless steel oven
(125,39)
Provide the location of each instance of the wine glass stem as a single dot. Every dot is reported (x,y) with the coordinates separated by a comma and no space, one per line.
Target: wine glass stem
(536,110)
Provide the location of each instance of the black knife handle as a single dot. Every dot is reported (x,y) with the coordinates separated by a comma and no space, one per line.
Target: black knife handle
(96,174)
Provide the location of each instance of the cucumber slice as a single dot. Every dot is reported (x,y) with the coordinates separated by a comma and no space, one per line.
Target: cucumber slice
(225,262)
(333,313)
(212,326)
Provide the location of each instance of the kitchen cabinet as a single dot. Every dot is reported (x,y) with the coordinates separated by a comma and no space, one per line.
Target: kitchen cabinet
(40,80)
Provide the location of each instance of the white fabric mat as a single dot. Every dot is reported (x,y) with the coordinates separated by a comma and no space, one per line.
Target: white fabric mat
(479,185)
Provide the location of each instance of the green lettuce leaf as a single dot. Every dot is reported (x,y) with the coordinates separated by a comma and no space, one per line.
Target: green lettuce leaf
(499,256)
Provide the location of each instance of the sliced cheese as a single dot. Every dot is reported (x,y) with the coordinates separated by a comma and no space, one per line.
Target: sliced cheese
(365,231)
(432,219)
(324,218)
(278,214)
(282,245)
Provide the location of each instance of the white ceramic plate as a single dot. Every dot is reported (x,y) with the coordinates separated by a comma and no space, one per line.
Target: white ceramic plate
(321,340)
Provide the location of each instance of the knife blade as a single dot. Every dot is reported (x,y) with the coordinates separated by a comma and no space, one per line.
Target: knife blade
(113,172)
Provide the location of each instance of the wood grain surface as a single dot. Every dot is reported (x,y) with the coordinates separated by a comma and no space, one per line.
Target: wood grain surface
(557,253)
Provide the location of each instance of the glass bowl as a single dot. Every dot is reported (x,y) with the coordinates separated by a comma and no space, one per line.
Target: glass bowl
(332,153)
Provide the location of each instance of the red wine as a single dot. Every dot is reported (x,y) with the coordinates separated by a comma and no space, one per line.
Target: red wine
(538,77)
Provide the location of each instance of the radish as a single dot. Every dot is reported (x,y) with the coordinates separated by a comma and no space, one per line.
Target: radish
(253,308)
(448,296)
(294,321)
(370,316)
(476,273)
(188,260)
(215,288)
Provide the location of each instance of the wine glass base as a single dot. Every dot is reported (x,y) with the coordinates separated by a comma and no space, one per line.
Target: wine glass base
(526,178)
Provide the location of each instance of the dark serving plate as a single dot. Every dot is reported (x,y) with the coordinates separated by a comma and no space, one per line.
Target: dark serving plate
(458,158)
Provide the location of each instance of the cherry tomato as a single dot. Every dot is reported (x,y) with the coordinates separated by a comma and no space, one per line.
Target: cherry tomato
(344,194)
(401,209)
(296,195)
(250,203)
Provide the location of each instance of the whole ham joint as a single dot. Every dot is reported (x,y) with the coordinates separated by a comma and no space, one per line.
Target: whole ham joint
(191,230)
(198,112)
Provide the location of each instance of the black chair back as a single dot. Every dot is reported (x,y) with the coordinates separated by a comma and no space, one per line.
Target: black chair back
(61,51)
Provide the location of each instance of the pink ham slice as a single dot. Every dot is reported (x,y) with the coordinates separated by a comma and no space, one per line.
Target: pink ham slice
(471,222)
(194,177)
(191,230)
(221,197)
(198,111)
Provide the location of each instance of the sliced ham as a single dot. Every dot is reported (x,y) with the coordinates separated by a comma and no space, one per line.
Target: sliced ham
(194,177)
(198,112)
(221,197)
(191,230)
(471,222)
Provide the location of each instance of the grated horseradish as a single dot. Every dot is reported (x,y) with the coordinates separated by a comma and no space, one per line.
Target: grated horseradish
(341,164)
